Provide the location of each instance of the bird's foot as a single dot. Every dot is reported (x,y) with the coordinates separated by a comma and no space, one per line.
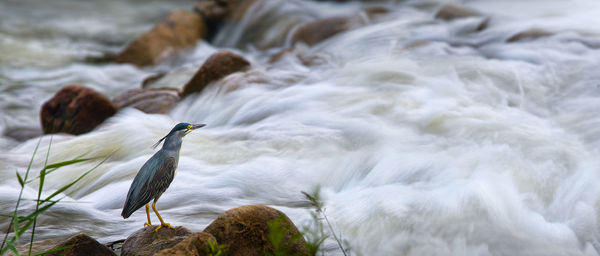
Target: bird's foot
(165,225)
(147,224)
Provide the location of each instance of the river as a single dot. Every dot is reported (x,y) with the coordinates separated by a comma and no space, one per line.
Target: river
(427,137)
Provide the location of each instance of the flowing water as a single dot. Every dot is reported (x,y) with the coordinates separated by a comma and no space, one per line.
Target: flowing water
(427,137)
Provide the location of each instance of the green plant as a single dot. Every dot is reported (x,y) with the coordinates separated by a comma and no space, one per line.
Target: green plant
(278,232)
(316,235)
(21,223)
(215,249)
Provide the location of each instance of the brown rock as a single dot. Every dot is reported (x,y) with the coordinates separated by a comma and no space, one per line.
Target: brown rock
(453,11)
(531,34)
(316,31)
(216,67)
(75,109)
(195,244)
(245,231)
(218,12)
(147,242)
(181,29)
(148,100)
(81,244)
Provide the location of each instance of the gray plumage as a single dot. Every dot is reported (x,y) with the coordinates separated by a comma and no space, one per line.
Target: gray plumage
(158,172)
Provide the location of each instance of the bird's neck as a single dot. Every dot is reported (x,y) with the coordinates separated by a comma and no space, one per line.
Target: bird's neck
(172,144)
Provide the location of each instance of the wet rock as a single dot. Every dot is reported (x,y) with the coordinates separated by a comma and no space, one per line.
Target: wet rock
(147,242)
(81,244)
(23,133)
(148,100)
(151,79)
(453,11)
(218,12)
(181,29)
(245,231)
(216,67)
(530,34)
(75,109)
(194,245)
(316,31)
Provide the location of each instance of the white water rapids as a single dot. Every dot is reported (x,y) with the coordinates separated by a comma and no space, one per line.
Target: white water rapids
(427,137)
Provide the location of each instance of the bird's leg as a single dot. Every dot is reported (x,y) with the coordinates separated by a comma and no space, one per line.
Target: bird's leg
(149,223)
(162,223)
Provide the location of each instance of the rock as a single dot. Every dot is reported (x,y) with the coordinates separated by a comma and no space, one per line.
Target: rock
(244,230)
(218,12)
(75,109)
(147,242)
(453,11)
(81,244)
(23,133)
(181,29)
(531,34)
(151,79)
(214,68)
(316,31)
(148,100)
(195,244)
(38,246)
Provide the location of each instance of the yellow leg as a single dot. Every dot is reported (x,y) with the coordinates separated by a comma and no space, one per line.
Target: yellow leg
(149,223)
(162,223)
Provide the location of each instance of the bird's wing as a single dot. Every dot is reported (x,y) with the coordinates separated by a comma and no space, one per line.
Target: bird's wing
(152,180)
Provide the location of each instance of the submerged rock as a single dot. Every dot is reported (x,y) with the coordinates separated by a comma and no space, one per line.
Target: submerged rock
(218,12)
(150,101)
(181,29)
(147,242)
(195,244)
(529,34)
(75,109)
(316,31)
(245,231)
(454,11)
(214,68)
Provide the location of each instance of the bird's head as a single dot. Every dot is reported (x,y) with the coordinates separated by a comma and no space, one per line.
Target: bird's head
(180,130)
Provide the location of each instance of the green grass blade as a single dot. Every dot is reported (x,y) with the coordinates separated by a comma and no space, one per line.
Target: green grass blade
(4,241)
(62,189)
(21,181)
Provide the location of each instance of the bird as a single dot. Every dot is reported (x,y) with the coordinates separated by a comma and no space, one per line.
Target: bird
(155,176)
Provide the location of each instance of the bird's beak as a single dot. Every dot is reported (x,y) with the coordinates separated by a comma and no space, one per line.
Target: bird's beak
(194,127)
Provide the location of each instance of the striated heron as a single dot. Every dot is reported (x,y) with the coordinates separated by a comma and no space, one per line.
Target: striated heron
(156,174)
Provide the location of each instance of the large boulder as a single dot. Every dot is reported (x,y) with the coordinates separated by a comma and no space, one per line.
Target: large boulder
(194,245)
(245,231)
(316,31)
(147,242)
(181,29)
(75,109)
(150,101)
(214,68)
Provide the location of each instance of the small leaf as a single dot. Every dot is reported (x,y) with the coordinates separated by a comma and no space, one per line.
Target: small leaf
(20,179)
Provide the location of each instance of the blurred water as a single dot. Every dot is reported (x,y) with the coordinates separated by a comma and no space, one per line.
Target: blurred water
(427,137)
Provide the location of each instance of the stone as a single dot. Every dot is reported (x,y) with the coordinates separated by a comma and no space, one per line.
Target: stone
(181,29)
(316,31)
(150,101)
(147,242)
(79,244)
(245,231)
(195,244)
(218,12)
(529,34)
(452,11)
(214,68)
(23,133)
(75,109)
